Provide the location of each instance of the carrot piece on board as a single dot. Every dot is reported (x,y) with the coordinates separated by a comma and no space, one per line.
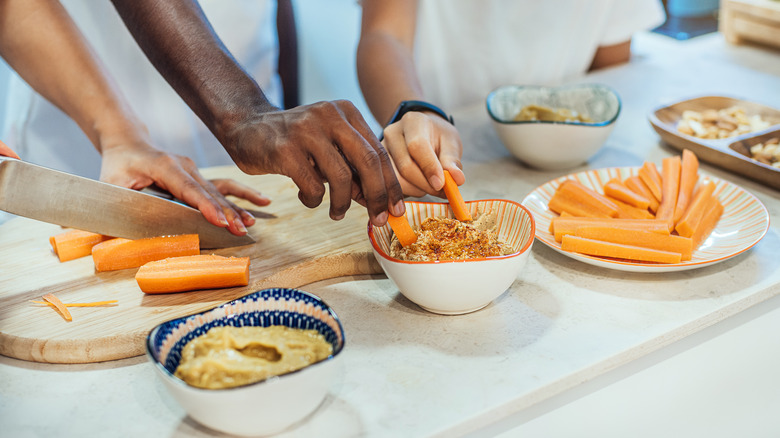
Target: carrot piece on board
(562,226)
(645,239)
(121,253)
(592,199)
(712,213)
(670,187)
(92,304)
(616,189)
(180,274)
(616,250)
(459,208)
(59,306)
(650,175)
(402,229)
(689,221)
(637,185)
(689,176)
(75,244)
(631,212)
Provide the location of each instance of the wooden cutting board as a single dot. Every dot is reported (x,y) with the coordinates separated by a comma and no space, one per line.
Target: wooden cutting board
(295,246)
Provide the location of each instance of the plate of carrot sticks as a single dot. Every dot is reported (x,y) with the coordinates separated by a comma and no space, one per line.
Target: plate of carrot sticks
(647,219)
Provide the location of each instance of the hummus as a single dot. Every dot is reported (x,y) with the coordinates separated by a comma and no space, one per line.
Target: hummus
(440,239)
(542,113)
(233,356)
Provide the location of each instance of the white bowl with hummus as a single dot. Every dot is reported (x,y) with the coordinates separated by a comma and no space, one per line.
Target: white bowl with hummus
(553,128)
(254,366)
(431,274)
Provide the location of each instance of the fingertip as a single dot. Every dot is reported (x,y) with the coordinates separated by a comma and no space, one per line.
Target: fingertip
(436,182)
(398,209)
(380,219)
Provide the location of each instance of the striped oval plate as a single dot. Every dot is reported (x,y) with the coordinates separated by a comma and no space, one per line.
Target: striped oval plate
(744,223)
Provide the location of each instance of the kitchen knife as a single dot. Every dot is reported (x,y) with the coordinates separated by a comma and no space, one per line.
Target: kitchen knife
(72,201)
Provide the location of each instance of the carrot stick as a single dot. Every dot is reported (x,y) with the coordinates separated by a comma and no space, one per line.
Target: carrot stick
(636,184)
(121,253)
(690,220)
(563,203)
(595,201)
(689,175)
(712,213)
(179,274)
(459,208)
(402,229)
(92,304)
(631,212)
(649,174)
(8,152)
(616,250)
(616,189)
(59,306)
(670,187)
(645,239)
(562,226)
(75,244)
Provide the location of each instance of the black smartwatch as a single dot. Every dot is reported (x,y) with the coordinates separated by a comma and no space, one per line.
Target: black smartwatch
(415,105)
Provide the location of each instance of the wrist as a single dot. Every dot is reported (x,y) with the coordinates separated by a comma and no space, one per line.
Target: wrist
(419,106)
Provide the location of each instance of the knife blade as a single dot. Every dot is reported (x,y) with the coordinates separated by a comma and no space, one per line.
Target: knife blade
(73,201)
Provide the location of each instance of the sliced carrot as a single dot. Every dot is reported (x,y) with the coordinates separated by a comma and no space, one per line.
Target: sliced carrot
(562,226)
(121,253)
(92,304)
(616,250)
(690,220)
(592,199)
(645,239)
(712,213)
(650,176)
(670,187)
(689,176)
(59,306)
(75,244)
(179,274)
(459,208)
(637,185)
(631,212)
(563,203)
(616,189)
(402,229)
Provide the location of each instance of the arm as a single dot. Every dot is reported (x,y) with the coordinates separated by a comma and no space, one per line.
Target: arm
(324,142)
(39,40)
(422,144)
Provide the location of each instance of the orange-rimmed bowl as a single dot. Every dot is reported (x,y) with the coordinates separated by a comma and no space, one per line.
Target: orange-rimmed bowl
(458,286)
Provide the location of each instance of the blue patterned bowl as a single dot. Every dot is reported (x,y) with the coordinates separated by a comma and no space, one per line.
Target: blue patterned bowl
(259,408)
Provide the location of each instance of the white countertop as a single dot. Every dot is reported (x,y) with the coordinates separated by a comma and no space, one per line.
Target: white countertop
(570,350)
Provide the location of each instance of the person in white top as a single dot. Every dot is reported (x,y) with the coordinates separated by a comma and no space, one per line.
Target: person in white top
(43,45)
(452,53)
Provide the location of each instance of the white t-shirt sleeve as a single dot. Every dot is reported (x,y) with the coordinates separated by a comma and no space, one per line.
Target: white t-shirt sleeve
(627,17)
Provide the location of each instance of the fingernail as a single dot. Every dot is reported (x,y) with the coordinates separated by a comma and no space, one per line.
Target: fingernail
(239,225)
(338,217)
(222,219)
(436,182)
(399,208)
(381,217)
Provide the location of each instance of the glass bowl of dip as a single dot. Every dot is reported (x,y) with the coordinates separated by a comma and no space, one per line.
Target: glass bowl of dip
(458,286)
(553,128)
(265,406)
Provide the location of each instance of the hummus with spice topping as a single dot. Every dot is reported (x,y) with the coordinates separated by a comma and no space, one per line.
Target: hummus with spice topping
(440,239)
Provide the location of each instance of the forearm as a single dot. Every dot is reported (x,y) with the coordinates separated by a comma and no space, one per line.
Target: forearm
(43,45)
(179,41)
(385,62)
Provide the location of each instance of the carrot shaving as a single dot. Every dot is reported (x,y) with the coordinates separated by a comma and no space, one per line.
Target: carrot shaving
(92,304)
(59,306)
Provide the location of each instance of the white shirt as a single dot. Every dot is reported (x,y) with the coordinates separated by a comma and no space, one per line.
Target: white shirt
(466,48)
(42,134)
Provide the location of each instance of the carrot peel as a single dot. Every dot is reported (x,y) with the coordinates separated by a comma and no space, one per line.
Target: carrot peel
(59,306)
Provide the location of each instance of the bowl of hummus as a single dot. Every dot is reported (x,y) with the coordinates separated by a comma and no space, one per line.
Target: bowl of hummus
(456,267)
(253,366)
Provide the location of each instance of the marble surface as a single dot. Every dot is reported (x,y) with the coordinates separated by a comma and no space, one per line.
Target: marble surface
(569,350)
